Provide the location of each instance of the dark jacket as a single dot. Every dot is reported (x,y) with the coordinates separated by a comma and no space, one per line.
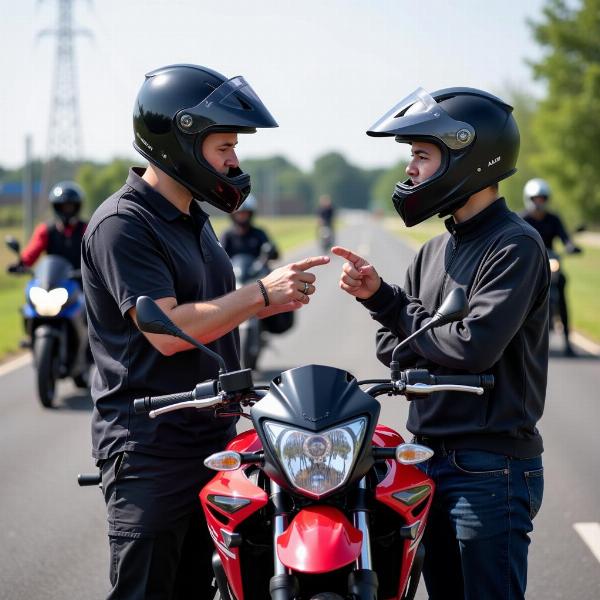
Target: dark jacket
(250,242)
(501,263)
(549,227)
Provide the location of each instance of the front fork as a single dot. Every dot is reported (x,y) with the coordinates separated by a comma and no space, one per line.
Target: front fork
(283,585)
(362,581)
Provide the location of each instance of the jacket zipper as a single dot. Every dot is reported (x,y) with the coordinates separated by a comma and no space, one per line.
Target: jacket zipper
(456,244)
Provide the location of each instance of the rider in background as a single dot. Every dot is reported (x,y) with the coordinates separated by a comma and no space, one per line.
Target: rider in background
(536,195)
(243,237)
(61,237)
(325,221)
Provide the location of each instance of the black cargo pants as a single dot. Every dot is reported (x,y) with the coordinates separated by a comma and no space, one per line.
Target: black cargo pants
(160,547)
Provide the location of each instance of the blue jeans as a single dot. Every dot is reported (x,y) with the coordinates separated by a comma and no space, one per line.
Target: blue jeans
(477,536)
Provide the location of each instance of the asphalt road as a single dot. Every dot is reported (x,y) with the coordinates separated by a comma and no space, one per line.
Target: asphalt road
(52,533)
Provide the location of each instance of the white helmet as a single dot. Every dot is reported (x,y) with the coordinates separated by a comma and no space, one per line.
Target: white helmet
(533,188)
(249,204)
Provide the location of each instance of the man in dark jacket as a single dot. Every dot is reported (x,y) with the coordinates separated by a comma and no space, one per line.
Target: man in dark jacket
(487,464)
(536,195)
(244,237)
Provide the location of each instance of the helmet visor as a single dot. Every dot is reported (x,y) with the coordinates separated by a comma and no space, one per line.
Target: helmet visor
(420,115)
(234,104)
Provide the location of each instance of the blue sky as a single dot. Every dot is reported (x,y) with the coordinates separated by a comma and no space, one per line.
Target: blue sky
(327,69)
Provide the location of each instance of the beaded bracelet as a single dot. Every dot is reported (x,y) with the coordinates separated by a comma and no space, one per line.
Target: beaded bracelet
(263,291)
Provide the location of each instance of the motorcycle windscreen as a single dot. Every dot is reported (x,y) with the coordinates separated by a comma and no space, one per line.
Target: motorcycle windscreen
(320,539)
(52,271)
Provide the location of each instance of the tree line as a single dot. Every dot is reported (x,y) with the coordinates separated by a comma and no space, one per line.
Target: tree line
(560,133)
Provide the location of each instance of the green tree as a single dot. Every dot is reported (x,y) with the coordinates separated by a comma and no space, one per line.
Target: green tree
(346,184)
(280,186)
(525,107)
(100,181)
(567,124)
(383,187)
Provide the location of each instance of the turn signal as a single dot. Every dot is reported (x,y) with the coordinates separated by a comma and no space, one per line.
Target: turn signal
(412,454)
(224,461)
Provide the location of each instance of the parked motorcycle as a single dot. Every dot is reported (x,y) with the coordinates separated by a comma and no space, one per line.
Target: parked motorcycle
(254,331)
(54,322)
(318,501)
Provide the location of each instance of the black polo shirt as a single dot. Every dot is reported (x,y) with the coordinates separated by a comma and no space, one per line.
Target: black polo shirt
(138,243)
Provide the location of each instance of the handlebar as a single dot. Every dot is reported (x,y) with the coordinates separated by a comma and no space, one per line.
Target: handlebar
(416,382)
(149,403)
(203,390)
(422,376)
(421,382)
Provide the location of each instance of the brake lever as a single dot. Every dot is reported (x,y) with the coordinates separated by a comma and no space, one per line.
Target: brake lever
(424,389)
(199,404)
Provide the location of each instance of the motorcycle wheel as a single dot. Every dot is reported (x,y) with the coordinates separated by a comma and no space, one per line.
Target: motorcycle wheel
(80,381)
(250,345)
(46,360)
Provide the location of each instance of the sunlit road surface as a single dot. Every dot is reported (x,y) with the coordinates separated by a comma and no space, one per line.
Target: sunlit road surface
(53,544)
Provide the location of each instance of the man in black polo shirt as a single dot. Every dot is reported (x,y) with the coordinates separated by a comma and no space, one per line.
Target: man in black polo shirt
(153,238)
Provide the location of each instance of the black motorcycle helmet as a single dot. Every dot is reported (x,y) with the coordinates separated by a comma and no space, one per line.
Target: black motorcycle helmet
(176,108)
(66,198)
(478,138)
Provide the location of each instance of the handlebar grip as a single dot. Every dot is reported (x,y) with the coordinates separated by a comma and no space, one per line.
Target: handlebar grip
(484,381)
(416,376)
(145,405)
(84,479)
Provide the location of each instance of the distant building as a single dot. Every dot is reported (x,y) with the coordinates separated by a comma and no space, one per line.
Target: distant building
(12,192)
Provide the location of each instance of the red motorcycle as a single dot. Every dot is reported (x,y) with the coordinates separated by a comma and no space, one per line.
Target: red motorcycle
(318,501)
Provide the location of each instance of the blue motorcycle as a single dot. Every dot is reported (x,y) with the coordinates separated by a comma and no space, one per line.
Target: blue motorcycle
(55,323)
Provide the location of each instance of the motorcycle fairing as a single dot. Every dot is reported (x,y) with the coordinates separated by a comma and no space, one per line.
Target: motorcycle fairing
(397,479)
(233,484)
(319,539)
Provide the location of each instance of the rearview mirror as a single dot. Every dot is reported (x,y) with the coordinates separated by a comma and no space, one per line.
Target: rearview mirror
(454,308)
(13,243)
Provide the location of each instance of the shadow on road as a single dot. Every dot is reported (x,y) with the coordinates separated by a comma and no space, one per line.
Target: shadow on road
(77,401)
(580,356)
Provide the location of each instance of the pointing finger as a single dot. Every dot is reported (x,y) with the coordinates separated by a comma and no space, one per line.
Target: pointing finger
(313,261)
(348,255)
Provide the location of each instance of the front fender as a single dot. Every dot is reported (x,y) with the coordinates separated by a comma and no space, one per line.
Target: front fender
(319,539)
(46,330)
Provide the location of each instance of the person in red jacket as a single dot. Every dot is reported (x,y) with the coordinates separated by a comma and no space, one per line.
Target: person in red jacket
(61,237)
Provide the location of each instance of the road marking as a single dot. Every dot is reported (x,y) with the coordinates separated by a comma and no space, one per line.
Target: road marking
(15,364)
(590,534)
(585,344)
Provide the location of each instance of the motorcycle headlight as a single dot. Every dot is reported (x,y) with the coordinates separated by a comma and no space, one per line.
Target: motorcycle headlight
(48,303)
(317,463)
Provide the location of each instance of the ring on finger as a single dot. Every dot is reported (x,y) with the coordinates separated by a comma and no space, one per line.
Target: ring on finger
(305,290)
